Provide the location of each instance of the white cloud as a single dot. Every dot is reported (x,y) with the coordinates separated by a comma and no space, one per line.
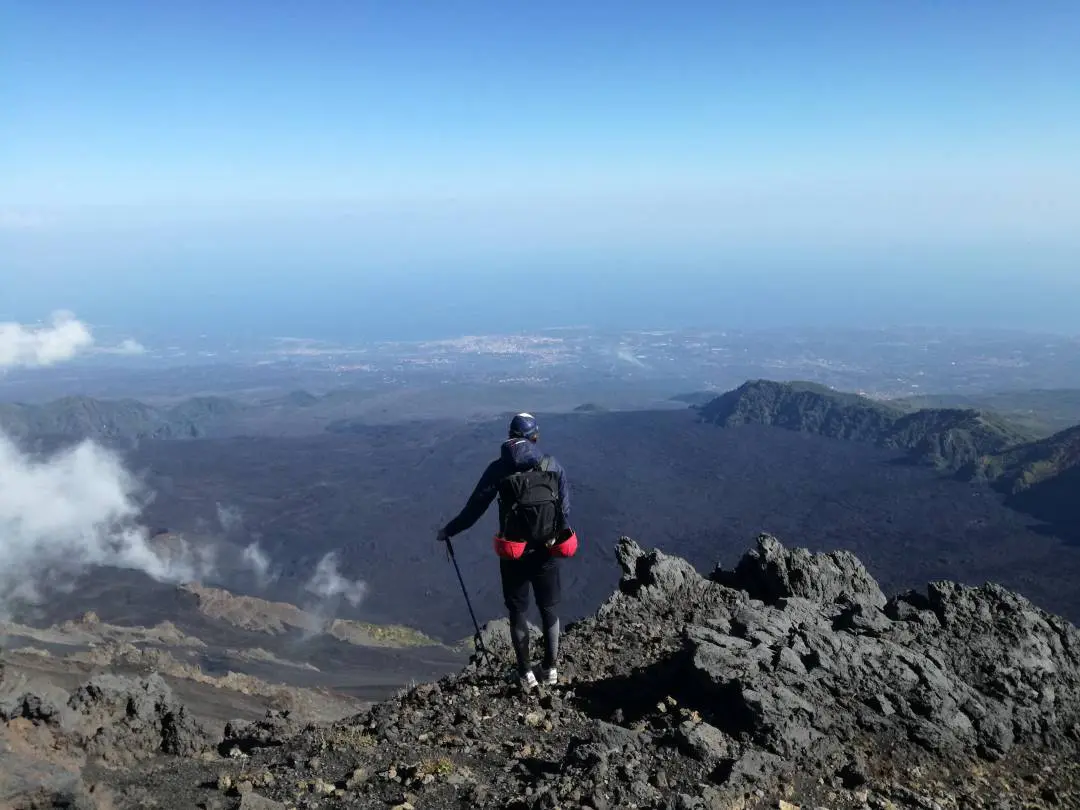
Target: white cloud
(327,582)
(43,346)
(124,347)
(76,508)
(60,514)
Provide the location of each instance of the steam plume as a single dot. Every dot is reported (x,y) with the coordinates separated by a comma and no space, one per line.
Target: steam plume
(259,563)
(76,508)
(230,518)
(328,583)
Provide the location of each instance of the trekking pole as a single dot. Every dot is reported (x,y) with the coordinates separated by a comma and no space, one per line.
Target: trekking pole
(481,650)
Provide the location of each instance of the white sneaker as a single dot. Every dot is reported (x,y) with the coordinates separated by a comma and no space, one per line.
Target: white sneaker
(528,681)
(551,677)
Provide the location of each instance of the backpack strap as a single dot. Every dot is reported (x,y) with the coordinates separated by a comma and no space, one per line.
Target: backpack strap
(545,465)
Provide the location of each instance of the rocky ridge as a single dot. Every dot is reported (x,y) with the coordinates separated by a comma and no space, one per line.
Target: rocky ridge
(79,417)
(947,439)
(273,618)
(1028,466)
(88,646)
(1037,474)
(790,681)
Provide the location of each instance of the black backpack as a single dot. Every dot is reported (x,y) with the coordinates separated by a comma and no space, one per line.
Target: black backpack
(529,504)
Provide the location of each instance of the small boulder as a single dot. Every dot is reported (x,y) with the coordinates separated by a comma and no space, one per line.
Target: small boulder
(653,576)
(253,801)
(704,742)
(274,729)
(771,573)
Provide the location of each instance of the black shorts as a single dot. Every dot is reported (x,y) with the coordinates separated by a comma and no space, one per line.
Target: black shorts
(538,570)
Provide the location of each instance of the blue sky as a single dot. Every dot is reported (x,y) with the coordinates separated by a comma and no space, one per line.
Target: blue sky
(198,149)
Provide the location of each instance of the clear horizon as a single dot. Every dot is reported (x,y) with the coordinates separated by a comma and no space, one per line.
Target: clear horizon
(252,169)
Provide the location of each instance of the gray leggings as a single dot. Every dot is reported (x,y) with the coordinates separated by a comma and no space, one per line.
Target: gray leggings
(519,634)
(540,574)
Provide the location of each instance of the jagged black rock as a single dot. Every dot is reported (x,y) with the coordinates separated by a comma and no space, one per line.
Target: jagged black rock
(788,681)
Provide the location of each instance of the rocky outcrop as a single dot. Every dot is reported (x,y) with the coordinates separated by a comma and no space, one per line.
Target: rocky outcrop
(274,729)
(122,719)
(110,718)
(788,681)
(276,618)
(772,573)
(653,578)
(49,738)
(825,661)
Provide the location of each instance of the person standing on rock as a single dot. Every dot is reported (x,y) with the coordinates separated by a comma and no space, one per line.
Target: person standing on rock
(534,534)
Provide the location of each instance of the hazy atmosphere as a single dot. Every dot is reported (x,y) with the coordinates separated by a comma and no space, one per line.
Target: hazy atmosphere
(294,172)
(547,407)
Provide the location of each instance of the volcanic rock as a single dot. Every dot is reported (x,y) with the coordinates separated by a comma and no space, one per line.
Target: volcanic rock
(788,682)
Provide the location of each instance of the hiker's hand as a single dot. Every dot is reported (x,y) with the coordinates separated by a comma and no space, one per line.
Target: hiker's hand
(442,536)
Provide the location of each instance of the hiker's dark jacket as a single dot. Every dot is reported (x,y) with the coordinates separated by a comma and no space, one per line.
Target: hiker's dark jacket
(516,455)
